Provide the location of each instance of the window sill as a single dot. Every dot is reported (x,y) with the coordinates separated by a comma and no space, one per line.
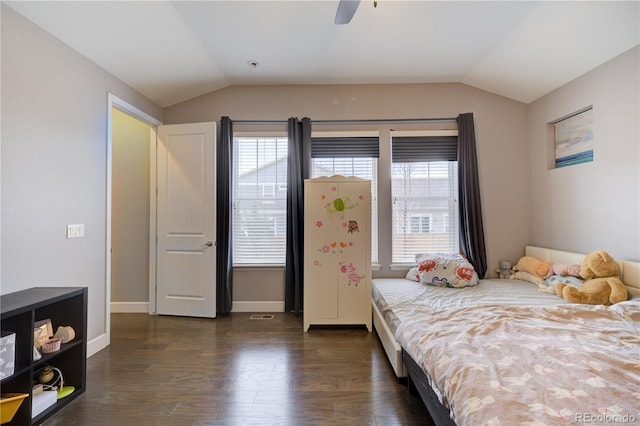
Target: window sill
(401,266)
(248,267)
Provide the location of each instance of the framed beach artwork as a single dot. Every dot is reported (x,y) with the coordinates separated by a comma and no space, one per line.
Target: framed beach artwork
(574,139)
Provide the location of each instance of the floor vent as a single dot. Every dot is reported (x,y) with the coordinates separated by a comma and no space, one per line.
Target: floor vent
(261,317)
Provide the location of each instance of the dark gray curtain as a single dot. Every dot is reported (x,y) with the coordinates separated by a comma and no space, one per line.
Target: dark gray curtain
(224,258)
(298,166)
(470,209)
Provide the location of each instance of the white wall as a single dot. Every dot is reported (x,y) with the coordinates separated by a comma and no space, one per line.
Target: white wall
(596,205)
(54,118)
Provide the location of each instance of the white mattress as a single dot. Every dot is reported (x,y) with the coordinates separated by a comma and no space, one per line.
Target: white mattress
(398,298)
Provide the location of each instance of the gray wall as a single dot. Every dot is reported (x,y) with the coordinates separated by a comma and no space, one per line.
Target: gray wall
(596,205)
(501,133)
(54,128)
(130,209)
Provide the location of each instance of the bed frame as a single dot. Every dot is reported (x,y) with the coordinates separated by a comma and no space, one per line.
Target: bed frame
(417,382)
(405,367)
(391,347)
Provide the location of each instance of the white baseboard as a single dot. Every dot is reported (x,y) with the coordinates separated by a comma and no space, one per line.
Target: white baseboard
(96,345)
(257,307)
(129,307)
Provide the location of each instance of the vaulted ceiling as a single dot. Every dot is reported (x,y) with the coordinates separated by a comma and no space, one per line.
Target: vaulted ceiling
(172,51)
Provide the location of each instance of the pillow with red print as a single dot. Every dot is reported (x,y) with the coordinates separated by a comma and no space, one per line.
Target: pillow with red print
(446,270)
(412,275)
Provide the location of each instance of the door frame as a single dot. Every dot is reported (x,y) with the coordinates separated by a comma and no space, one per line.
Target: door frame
(129,109)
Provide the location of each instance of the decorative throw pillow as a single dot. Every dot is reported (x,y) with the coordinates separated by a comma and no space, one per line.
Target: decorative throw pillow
(413,274)
(446,270)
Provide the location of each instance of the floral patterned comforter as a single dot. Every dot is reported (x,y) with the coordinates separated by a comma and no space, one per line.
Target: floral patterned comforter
(528,365)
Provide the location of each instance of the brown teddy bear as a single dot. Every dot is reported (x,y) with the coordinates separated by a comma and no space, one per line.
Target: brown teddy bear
(602,286)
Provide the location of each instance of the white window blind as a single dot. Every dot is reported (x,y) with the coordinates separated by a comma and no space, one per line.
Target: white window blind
(424,192)
(259,200)
(420,224)
(350,156)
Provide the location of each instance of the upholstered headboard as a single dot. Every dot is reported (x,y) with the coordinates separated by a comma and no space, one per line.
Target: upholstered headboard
(629,271)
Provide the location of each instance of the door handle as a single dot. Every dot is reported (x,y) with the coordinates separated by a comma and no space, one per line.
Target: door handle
(207,244)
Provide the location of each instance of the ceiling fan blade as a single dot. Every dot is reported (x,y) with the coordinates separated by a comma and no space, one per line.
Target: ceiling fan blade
(346,10)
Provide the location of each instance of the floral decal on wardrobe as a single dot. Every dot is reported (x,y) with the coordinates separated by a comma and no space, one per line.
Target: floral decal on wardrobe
(339,207)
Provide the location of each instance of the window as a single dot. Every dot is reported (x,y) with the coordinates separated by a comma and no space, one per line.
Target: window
(424,191)
(259,200)
(350,156)
(420,224)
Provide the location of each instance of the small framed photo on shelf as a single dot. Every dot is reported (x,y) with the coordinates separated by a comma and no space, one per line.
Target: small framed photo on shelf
(42,331)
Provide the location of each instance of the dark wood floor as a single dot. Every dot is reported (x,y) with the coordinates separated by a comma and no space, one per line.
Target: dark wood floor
(232,370)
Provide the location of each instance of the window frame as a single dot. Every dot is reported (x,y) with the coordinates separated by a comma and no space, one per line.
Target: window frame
(384,196)
(452,198)
(273,197)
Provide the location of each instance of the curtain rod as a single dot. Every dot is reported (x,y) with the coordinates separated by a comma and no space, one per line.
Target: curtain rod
(354,122)
(387,121)
(259,121)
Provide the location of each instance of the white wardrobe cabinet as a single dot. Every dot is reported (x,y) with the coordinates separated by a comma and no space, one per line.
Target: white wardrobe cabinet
(337,251)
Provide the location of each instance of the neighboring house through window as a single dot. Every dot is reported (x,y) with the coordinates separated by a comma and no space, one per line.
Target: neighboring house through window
(420,224)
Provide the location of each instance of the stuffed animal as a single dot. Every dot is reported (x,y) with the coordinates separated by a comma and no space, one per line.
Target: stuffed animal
(504,271)
(533,266)
(602,284)
(566,270)
(549,283)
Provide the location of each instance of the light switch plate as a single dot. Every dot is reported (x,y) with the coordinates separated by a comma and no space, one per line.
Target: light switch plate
(75,230)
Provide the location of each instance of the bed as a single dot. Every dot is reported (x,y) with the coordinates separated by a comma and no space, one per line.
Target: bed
(503,353)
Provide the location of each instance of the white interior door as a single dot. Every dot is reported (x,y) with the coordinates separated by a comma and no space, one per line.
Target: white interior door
(186,220)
